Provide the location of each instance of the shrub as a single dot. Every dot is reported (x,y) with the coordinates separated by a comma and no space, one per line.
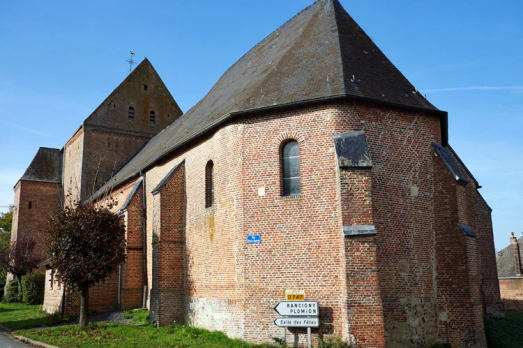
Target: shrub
(33,287)
(332,342)
(11,293)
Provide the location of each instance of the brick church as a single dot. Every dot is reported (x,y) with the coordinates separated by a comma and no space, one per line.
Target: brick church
(314,143)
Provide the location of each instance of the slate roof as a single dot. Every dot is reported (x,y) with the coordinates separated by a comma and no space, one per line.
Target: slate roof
(166,179)
(46,166)
(467,230)
(352,150)
(450,163)
(506,262)
(131,194)
(320,54)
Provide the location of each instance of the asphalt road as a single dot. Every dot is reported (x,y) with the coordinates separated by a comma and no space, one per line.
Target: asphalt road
(6,342)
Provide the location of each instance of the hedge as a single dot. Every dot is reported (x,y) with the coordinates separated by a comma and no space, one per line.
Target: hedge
(11,293)
(33,287)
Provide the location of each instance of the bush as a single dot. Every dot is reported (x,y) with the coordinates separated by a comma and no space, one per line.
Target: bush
(11,293)
(33,287)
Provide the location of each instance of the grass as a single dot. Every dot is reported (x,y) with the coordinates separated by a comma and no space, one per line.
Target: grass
(506,332)
(501,333)
(18,316)
(137,316)
(99,335)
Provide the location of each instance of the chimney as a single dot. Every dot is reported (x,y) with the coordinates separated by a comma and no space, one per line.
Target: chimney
(517,257)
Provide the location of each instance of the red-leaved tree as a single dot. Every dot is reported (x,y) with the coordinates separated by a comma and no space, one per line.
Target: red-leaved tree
(20,258)
(86,245)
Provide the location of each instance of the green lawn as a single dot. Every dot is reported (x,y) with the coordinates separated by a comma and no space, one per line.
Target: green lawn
(99,335)
(501,333)
(18,316)
(506,332)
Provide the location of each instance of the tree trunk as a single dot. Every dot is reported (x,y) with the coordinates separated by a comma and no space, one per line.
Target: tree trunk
(84,308)
(19,281)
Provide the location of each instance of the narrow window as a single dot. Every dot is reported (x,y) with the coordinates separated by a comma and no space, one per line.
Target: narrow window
(52,280)
(152,118)
(144,87)
(291,169)
(30,204)
(131,112)
(209,185)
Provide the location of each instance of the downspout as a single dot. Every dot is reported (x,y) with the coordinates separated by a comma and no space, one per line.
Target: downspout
(144,239)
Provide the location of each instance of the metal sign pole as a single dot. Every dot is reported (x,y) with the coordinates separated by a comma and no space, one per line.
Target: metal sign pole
(309,340)
(285,335)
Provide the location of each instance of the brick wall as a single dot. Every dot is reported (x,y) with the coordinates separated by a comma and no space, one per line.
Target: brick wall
(402,211)
(365,307)
(460,310)
(72,170)
(104,153)
(169,253)
(512,293)
(133,269)
(103,297)
(34,202)
(402,285)
(490,286)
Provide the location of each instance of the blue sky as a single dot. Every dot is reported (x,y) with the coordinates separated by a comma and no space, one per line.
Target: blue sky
(60,59)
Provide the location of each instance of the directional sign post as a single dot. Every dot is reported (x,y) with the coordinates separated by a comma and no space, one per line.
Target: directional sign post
(297,322)
(297,308)
(298,314)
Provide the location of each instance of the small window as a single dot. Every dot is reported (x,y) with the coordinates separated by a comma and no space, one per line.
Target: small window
(291,169)
(51,281)
(152,117)
(209,184)
(131,112)
(144,87)
(30,205)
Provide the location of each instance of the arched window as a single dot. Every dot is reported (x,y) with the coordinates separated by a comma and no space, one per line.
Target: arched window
(30,205)
(290,162)
(131,112)
(152,118)
(209,185)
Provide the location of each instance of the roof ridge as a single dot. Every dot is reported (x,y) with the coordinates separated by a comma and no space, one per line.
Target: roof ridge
(272,32)
(290,49)
(48,148)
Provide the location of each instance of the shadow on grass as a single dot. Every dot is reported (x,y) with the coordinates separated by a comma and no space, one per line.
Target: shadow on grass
(505,332)
(36,322)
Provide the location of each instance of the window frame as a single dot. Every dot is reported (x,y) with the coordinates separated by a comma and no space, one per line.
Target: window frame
(209,184)
(285,143)
(152,117)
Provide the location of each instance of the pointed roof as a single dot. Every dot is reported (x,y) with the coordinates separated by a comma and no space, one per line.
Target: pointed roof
(143,72)
(320,54)
(46,166)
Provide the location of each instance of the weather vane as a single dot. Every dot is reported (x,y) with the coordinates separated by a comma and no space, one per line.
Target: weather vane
(131,62)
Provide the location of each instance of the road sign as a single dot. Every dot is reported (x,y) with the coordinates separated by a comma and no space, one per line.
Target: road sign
(295,297)
(297,322)
(297,308)
(254,239)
